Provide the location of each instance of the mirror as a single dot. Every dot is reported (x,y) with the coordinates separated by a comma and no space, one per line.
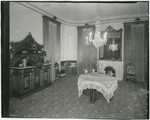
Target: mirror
(113,49)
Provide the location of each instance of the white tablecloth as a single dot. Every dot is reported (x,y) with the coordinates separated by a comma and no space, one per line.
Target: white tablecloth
(103,83)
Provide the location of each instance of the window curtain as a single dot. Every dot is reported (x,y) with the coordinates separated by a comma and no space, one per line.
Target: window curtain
(51,42)
(86,51)
(52,37)
(79,51)
(86,54)
(137,49)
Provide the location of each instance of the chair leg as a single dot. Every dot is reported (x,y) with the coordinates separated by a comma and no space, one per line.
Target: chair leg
(126,80)
(135,80)
(56,78)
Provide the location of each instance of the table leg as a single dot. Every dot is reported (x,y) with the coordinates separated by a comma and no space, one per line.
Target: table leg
(93,97)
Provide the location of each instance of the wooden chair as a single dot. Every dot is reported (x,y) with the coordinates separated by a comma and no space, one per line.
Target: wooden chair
(131,74)
(59,73)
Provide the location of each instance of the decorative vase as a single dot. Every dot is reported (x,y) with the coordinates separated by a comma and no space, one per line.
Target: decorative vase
(24,62)
(93,70)
(86,72)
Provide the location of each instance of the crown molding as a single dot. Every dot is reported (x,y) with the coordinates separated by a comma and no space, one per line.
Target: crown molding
(47,12)
(38,8)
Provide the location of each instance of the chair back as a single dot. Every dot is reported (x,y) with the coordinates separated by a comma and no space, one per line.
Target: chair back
(130,69)
(56,67)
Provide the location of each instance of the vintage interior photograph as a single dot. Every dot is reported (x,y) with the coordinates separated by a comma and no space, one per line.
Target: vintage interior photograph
(77,60)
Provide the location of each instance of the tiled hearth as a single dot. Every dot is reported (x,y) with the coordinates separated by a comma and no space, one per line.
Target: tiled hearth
(117,65)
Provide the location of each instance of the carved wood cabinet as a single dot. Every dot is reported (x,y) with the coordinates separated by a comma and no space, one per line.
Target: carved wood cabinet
(25,80)
(29,68)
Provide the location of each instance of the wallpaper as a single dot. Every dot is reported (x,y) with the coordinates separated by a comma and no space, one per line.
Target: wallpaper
(128,47)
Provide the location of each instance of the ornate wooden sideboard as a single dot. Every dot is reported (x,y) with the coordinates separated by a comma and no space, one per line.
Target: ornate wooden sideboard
(25,80)
(29,68)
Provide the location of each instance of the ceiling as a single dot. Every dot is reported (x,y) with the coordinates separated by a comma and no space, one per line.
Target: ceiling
(79,13)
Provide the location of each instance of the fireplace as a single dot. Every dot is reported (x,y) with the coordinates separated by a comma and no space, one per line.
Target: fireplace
(110,71)
(111,67)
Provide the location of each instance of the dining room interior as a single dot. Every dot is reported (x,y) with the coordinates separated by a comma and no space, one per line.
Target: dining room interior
(77,60)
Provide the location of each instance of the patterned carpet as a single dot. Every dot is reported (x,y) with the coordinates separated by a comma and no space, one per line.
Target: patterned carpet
(61,100)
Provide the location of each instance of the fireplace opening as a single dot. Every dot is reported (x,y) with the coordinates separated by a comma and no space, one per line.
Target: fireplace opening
(110,71)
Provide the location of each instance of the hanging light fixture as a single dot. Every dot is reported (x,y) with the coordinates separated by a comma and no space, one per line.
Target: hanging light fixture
(113,46)
(98,40)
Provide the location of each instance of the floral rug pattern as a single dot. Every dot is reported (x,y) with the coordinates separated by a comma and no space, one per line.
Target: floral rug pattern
(60,100)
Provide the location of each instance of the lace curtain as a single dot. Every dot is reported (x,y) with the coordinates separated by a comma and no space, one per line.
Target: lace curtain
(52,37)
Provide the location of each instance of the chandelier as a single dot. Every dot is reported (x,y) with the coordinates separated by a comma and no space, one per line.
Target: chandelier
(98,40)
(113,46)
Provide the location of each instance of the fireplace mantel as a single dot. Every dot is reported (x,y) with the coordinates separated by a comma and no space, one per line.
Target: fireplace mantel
(117,65)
